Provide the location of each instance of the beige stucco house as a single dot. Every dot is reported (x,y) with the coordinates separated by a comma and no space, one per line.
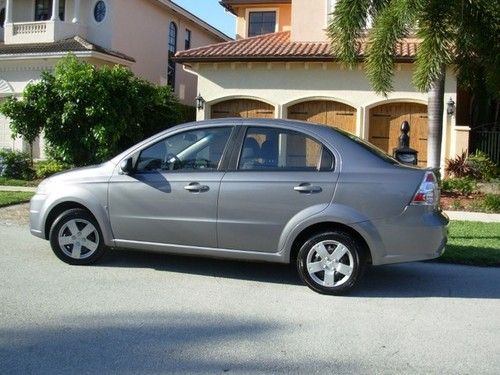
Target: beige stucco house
(280,66)
(140,34)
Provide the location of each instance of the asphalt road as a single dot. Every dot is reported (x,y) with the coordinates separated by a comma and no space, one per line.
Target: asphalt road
(152,314)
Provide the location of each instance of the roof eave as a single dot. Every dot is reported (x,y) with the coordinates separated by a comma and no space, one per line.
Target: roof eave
(247,59)
(59,55)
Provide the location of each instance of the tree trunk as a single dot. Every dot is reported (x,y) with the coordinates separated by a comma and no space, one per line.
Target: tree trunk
(435,122)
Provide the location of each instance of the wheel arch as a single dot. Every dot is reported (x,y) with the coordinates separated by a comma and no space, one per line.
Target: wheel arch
(57,210)
(326,226)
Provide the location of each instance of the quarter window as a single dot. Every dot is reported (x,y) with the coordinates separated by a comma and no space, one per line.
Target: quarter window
(195,150)
(99,11)
(172,49)
(261,23)
(280,149)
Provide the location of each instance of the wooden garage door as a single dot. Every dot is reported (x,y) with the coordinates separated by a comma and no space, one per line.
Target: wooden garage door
(325,112)
(385,124)
(246,108)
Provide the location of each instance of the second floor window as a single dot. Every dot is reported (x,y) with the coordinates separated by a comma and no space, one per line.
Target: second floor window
(187,42)
(260,23)
(172,49)
(43,10)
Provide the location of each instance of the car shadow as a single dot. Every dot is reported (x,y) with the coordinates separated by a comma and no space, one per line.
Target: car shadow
(409,280)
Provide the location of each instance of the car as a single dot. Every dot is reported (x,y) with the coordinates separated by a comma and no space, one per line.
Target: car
(249,189)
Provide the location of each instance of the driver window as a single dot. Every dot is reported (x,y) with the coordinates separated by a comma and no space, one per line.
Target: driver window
(193,150)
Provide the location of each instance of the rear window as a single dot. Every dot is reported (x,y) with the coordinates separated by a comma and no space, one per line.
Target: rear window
(369,147)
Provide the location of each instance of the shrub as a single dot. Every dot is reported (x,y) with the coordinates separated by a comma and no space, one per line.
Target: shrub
(46,168)
(89,114)
(463,186)
(459,167)
(482,166)
(477,166)
(15,164)
(491,203)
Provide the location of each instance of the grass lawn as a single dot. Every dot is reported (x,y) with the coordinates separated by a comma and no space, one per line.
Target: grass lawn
(12,197)
(11,182)
(474,243)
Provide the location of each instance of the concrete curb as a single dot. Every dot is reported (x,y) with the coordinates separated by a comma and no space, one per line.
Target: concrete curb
(28,189)
(473,216)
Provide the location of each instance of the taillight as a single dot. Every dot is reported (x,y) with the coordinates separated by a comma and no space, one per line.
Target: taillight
(428,191)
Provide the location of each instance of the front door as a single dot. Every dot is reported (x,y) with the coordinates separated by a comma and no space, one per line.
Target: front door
(281,175)
(171,198)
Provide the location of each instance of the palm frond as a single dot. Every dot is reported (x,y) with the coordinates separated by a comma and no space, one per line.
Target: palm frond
(347,24)
(435,28)
(392,23)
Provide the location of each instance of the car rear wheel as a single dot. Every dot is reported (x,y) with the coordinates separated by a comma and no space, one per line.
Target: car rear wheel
(76,238)
(331,262)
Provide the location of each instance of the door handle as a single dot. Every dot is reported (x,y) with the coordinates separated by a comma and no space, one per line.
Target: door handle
(307,188)
(195,187)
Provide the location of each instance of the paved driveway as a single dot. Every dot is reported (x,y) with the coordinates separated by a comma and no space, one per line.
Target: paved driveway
(150,313)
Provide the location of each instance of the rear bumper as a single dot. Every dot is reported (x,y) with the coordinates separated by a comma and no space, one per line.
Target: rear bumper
(417,234)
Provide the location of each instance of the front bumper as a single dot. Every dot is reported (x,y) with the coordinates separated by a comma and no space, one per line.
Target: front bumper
(36,220)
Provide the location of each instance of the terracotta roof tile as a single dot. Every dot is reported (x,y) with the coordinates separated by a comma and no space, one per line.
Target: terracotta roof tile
(277,46)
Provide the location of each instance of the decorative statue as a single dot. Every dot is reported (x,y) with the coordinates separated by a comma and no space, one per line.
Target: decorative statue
(404,138)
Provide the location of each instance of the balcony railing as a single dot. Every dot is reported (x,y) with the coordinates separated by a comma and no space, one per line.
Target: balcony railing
(29,28)
(41,31)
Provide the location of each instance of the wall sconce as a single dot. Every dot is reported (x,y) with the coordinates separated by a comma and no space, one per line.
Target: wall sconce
(200,102)
(451,107)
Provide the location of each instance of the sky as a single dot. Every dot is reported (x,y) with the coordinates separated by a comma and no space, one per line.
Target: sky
(212,12)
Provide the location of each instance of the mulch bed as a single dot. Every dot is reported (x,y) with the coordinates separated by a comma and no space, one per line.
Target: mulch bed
(457,202)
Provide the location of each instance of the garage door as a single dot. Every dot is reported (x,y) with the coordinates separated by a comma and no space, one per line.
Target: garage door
(385,124)
(325,112)
(246,108)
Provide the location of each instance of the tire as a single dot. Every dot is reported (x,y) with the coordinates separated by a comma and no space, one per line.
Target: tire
(76,238)
(336,271)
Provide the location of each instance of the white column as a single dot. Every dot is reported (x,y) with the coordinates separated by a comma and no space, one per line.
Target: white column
(76,12)
(55,10)
(8,11)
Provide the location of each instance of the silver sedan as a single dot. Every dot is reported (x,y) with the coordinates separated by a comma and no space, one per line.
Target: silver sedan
(259,190)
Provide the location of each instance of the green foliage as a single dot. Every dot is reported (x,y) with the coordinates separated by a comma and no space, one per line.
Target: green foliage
(27,117)
(8,198)
(89,114)
(483,168)
(15,164)
(46,168)
(463,34)
(459,167)
(477,166)
(463,186)
(491,203)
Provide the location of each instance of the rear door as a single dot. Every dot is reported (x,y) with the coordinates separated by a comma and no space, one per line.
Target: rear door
(276,175)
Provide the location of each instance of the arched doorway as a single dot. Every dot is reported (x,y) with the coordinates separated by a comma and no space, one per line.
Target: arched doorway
(247,108)
(385,123)
(325,112)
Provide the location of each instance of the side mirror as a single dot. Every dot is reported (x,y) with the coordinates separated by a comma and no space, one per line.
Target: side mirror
(126,166)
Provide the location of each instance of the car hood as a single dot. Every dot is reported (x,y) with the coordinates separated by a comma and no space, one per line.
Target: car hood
(94,173)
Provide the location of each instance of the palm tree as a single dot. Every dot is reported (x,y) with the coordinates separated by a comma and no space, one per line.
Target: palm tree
(462,34)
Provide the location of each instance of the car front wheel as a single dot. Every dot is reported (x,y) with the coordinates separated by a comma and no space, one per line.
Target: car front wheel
(331,262)
(75,237)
